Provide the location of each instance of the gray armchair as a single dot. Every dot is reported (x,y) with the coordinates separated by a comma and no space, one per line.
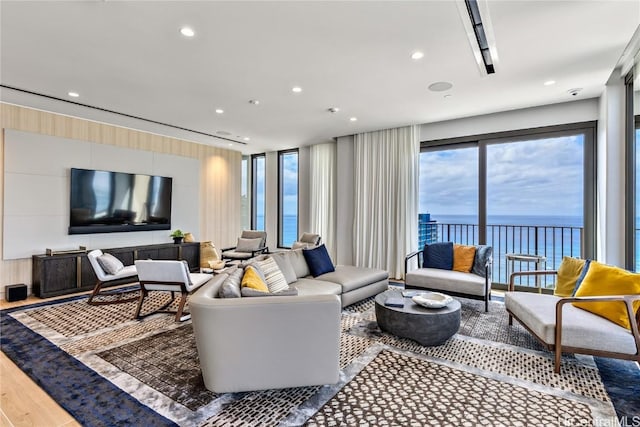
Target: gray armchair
(307,240)
(250,243)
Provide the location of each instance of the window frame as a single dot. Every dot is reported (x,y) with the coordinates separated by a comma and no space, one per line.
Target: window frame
(254,198)
(281,155)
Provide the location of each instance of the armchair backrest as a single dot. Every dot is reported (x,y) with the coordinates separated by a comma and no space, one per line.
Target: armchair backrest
(162,271)
(312,238)
(97,268)
(255,234)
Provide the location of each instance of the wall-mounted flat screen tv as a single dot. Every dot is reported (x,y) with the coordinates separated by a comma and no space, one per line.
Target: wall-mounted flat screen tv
(109,202)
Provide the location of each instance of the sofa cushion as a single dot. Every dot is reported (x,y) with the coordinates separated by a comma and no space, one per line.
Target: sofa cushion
(443,280)
(317,287)
(463,256)
(483,253)
(289,292)
(580,328)
(299,263)
(568,274)
(438,255)
(230,288)
(318,260)
(252,279)
(602,279)
(283,259)
(110,264)
(351,277)
(272,275)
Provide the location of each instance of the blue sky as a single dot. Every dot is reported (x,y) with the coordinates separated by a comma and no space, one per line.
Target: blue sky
(539,177)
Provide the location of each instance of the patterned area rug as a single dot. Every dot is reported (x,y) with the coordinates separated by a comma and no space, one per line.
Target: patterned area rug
(107,369)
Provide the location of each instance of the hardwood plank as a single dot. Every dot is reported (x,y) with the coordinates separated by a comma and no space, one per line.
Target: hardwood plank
(23,403)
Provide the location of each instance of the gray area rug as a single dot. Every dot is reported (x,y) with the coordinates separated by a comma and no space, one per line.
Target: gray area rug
(384,380)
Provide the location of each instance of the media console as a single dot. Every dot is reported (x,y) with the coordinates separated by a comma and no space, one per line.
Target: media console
(69,273)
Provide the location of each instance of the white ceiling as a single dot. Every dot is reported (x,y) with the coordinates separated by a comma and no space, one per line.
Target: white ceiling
(129,57)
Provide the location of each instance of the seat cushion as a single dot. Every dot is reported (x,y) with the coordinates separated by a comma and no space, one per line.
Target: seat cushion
(443,280)
(128,271)
(197,280)
(351,277)
(316,287)
(580,328)
(299,263)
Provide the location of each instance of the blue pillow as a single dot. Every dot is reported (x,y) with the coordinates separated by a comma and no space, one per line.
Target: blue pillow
(318,260)
(585,269)
(438,255)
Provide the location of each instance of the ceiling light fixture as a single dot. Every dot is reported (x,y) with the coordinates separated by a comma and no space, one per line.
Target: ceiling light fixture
(296,89)
(246,138)
(254,102)
(219,111)
(476,20)
(481,36)
(73,94)
(333,109)
(187,32)
(353,119)
(417,55)
(549,82)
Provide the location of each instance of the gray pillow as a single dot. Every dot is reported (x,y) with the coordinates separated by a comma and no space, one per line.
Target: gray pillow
(230,288)
(248,292)
(302,245)
(110,264)
(248,245)
(310,238)
(299,263)
(483,253)
(282,259)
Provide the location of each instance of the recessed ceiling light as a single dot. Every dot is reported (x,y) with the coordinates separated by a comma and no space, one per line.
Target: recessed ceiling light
(296,89)
(246,138)
(187,32)
(230,144)
(549,82)
(448,95)
(440,86)
(74,94)
(254,101)
(333,109)
(353,119)
(417,55)
(219,111)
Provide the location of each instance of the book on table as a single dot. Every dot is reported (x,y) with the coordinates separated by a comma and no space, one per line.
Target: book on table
(394,302)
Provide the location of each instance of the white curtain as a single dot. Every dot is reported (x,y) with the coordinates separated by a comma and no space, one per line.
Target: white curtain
(323,194)
(386,198)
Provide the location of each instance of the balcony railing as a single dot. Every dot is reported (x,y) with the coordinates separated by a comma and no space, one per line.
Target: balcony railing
(551,241)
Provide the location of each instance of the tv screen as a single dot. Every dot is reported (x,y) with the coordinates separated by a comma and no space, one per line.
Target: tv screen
(108,202)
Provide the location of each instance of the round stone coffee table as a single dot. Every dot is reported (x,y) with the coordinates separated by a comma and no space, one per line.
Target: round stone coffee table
(427,326)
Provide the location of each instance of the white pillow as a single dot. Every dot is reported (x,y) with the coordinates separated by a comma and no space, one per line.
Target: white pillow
(248,245)
(110,264)
(276,281)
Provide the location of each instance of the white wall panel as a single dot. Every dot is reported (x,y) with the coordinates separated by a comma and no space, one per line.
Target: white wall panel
(35,195)
(112,158)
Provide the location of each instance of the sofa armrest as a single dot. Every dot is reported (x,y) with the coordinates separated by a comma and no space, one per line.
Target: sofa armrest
(267,342)
(408,257)
(527,273)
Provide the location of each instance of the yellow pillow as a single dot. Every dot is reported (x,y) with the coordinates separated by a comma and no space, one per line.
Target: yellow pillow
(568,274)
(463,257)
(602,279)
(251,279)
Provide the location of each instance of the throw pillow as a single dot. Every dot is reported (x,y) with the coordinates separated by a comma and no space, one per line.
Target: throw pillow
(247,245)
(248,292)
(585,270)
(463,257)
(251,279)
(311,238)
(602,279)
(438,255)
(318,260)
(299,263)
(110,264)
(483,253)
(301,245)
(230,288)
(272,275)
(568,273)
(283,261)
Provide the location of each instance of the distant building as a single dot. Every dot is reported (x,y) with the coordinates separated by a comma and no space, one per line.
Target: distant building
(427,230)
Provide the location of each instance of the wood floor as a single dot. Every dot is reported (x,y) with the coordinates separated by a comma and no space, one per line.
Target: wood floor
(22,401)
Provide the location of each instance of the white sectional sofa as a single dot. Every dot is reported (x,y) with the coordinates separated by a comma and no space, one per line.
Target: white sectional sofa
(256,343)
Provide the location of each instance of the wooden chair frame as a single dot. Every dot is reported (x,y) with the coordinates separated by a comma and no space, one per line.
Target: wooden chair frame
(184,293)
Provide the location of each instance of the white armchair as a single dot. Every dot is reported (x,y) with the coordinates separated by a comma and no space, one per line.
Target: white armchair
(258,343)
(123,275)
(171,276)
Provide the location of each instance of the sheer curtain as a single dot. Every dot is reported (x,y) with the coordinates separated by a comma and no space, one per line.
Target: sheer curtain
(323,193)
(386,198)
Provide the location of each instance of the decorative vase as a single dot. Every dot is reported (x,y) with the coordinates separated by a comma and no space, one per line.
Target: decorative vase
(188,238)
(208,253)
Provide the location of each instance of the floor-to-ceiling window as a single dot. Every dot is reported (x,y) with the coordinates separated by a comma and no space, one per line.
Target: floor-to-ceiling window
(258,190)
(287,198)
(245,192)
(522,192)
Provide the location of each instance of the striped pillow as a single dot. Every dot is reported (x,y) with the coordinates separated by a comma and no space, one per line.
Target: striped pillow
(276,281)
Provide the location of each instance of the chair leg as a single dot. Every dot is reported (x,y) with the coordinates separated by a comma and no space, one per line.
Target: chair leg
(183,300)
(143,294)
(486,304)
(96,291)
(558,358)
